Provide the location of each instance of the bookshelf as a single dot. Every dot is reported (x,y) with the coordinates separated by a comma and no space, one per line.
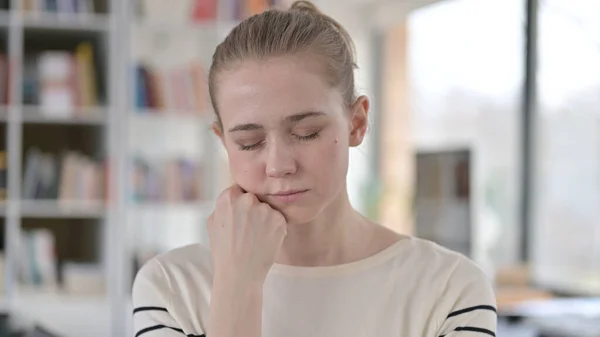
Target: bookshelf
(58,131)
(136,134)
(169,126)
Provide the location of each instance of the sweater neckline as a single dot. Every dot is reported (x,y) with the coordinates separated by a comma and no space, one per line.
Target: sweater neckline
(341,269)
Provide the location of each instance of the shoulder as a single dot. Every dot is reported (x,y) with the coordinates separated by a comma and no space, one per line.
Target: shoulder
(452,270)
(167,274)
(172,291)
(464,292)
(195,258)
(433,258)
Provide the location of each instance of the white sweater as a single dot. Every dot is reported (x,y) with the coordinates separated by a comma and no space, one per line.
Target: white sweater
(414,288)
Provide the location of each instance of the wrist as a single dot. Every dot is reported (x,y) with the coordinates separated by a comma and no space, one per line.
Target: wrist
(233,277)
(235,306)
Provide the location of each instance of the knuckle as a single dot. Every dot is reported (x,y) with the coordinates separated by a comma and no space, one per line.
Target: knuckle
(281,222)
(247,199)
(281,226)
(278,218)
(223,197)
(264,207)
(210,222)
(227,196)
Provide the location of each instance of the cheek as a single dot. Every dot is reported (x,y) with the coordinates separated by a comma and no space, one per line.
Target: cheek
(331,160)
(245,171)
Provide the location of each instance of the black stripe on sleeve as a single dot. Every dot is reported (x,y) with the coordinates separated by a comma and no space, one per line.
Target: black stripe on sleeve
(160,326)
(477,307)
(473,329)
(149,309)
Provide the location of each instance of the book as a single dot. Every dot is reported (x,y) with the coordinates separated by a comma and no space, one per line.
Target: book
(4,84)
(38,259)
(177,89)
(68,176)
(204,10)
(55,73)
(3,175)
(242,9)
(171,181)
(86,75)
(61,81)
(75,7)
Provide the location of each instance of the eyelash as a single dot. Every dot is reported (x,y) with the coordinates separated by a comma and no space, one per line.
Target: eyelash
(309,137)
(303,138)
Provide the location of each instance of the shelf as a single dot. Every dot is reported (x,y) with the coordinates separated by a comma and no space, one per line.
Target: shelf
(164,115)
(216,26)
(31,294)
(172,114)
(28,296)
(62,209)
(67,22)
(63,314)
(173,207)
(86,116)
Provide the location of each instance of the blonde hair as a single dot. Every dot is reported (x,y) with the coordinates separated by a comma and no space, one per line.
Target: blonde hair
(300,29)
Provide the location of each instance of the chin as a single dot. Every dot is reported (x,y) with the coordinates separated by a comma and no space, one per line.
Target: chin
(293,218)
(295,215)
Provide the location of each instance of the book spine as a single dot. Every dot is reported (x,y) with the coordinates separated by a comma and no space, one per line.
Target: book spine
(3,176)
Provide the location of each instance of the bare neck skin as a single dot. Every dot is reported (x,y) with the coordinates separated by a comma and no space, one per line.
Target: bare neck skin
(338,235)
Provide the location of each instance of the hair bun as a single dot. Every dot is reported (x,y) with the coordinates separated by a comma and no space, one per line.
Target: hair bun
(305,6)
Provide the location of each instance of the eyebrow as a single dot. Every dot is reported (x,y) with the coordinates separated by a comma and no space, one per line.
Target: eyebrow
(293,119)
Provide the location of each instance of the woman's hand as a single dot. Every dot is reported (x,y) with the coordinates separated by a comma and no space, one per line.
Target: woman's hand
(245,236)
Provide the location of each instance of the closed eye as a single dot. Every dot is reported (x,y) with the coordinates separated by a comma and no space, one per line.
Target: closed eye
(308,137)
(256,145)
(251,146)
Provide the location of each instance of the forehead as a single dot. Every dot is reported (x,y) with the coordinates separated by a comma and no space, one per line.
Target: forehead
(270,90)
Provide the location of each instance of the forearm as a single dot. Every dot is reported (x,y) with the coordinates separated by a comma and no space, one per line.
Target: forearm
(235,308)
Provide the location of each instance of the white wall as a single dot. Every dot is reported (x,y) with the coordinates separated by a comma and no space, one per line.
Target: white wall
(466,74)
(360,28)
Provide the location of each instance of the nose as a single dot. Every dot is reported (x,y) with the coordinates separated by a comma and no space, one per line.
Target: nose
(280,160)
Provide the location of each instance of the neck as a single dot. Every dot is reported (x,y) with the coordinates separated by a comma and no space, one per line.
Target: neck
(338,235)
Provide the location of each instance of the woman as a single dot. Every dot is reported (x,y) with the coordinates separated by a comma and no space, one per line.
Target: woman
(289,255)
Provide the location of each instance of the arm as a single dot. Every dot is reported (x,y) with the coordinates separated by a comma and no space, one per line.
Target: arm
(235,308)
(245,236)
(151,293)
(471,310)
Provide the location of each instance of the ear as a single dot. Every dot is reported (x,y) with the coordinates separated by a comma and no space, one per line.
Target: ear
(218,130)
(359,120)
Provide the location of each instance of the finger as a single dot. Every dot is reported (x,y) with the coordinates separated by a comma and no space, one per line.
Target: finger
(229,194)
(248,199)
(235,192)
(212,221)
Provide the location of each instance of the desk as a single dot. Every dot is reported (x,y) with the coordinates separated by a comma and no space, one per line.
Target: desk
(569,317)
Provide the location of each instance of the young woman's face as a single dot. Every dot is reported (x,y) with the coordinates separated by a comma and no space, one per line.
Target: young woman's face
(287,134)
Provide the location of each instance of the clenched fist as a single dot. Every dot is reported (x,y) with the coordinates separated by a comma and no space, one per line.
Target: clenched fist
(245,235)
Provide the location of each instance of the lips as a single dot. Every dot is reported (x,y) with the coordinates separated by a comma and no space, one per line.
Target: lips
(288,196)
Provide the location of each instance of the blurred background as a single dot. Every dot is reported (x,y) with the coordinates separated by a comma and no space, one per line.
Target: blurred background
(485,138)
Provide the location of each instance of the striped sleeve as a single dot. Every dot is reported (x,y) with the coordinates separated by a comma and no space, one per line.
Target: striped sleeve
(151,293)
(471,309)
